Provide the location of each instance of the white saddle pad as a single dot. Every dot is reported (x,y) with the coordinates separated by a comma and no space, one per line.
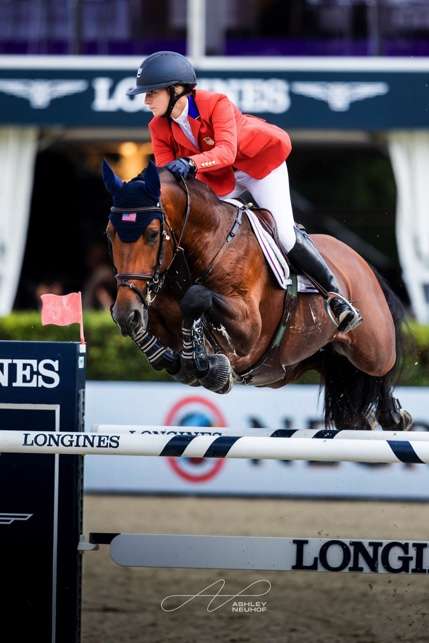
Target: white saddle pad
(272,253)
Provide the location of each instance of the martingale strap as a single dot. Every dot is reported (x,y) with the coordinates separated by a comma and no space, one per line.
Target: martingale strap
(230,236)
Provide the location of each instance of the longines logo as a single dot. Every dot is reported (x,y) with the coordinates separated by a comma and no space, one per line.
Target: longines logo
(30,373)
(254,95)
(187,431)
(109,97)
(67,440)
(393,556)
(9,519)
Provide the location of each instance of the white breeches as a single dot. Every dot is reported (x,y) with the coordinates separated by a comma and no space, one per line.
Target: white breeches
(272,193)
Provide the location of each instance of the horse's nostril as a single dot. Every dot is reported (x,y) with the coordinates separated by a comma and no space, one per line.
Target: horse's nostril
(128,320)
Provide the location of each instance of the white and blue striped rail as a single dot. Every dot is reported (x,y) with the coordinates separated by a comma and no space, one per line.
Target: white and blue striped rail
(319,434)
(358,446)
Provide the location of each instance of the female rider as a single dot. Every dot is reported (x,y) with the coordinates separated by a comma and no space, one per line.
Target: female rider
(203,134)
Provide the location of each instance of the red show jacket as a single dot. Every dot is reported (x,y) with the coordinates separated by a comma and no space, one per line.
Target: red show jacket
(227,139)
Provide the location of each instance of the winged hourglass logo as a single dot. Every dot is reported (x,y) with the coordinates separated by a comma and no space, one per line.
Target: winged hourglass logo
(8,519)
(41,92)
(340,95)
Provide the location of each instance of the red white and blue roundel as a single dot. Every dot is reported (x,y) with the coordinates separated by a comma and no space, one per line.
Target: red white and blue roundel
(195,411)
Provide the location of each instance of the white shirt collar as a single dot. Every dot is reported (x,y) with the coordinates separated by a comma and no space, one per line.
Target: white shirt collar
(183,117)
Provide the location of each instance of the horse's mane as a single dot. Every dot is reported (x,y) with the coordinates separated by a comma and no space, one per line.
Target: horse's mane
(197,188)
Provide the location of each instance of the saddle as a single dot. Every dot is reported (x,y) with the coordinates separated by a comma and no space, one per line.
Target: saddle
(267,221)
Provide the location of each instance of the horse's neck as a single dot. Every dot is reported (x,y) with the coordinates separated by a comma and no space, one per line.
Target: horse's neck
(206,227)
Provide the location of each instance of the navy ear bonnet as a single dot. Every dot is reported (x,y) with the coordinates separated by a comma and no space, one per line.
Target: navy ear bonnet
(130,225)
(128,198)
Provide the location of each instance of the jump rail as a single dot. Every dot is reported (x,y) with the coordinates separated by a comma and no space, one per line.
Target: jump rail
(369,449)
(264,553)
(319,434)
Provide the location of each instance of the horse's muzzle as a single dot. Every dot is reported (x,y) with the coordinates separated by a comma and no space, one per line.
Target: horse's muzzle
(130,317)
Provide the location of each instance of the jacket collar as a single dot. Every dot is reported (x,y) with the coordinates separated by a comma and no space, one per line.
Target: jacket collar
(195,123)
(192,108)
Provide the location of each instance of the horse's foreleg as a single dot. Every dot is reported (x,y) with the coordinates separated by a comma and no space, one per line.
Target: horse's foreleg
(162,357)
(213,371)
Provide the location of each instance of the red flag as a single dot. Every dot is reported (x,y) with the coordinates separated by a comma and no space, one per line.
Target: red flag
(62,310)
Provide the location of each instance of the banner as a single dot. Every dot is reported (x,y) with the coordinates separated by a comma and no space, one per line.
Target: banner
(295,407)
(379,94)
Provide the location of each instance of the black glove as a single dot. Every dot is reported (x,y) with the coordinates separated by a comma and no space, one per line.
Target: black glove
(182,167)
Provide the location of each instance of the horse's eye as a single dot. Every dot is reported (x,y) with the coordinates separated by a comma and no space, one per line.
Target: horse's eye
(152,236)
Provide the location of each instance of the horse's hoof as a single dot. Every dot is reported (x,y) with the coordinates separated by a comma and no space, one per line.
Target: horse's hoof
(372,422)
(226,388)
(395,418)
(406,420)
(219,375)
(186,376)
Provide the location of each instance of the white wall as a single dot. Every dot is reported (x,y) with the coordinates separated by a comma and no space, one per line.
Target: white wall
(295,406)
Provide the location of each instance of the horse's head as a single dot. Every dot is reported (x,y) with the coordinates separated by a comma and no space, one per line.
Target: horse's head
(135,232)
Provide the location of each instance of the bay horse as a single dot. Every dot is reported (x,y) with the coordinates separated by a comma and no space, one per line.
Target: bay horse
(196,295)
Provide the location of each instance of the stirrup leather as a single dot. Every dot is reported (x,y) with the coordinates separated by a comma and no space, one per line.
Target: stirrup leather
(353,323)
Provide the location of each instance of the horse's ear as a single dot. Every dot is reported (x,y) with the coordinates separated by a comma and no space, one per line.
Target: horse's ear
(112,182)
(151,179)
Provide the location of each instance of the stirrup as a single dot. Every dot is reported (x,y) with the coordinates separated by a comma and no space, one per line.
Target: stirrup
(350,325)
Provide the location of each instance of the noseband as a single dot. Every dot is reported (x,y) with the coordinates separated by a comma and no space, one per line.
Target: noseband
(154,280)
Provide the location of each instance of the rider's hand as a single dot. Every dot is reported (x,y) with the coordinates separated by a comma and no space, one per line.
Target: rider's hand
(182,167)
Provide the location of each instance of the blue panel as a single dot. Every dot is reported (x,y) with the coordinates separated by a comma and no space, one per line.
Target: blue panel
(41,496)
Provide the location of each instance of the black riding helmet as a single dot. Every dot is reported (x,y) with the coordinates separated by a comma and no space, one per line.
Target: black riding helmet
(164,69)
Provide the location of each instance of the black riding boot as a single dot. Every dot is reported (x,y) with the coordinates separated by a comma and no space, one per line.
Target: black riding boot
(306,258)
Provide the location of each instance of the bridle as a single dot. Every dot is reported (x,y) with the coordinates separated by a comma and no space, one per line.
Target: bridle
(178,263)
(155,280)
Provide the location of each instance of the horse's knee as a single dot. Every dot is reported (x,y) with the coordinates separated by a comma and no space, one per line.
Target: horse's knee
(196,301)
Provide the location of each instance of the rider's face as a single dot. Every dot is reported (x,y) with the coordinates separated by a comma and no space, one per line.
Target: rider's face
(157,101)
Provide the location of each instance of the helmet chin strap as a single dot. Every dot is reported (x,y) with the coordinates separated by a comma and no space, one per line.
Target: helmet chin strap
(173,100)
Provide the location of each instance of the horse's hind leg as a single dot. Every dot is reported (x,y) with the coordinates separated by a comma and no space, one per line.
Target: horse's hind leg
(383,409)
(391,416)
(213,371)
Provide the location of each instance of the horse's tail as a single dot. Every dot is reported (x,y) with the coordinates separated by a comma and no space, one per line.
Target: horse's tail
(350,394)
(403,340)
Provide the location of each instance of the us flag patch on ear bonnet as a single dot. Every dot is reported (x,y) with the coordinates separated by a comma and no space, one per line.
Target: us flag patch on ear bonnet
(130,225)
(130,216)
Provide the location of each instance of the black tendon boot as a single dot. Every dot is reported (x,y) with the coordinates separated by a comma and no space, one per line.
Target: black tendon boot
(306,258)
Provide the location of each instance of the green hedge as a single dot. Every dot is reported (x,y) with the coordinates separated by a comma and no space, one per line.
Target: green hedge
(113,357)
(110,356)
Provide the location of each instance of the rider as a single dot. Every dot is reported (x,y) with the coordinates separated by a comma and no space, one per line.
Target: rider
(196,132)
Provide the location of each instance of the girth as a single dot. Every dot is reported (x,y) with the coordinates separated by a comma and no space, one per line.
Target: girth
(268,369)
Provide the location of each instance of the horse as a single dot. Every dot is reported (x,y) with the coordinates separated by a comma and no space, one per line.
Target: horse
(196,295)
